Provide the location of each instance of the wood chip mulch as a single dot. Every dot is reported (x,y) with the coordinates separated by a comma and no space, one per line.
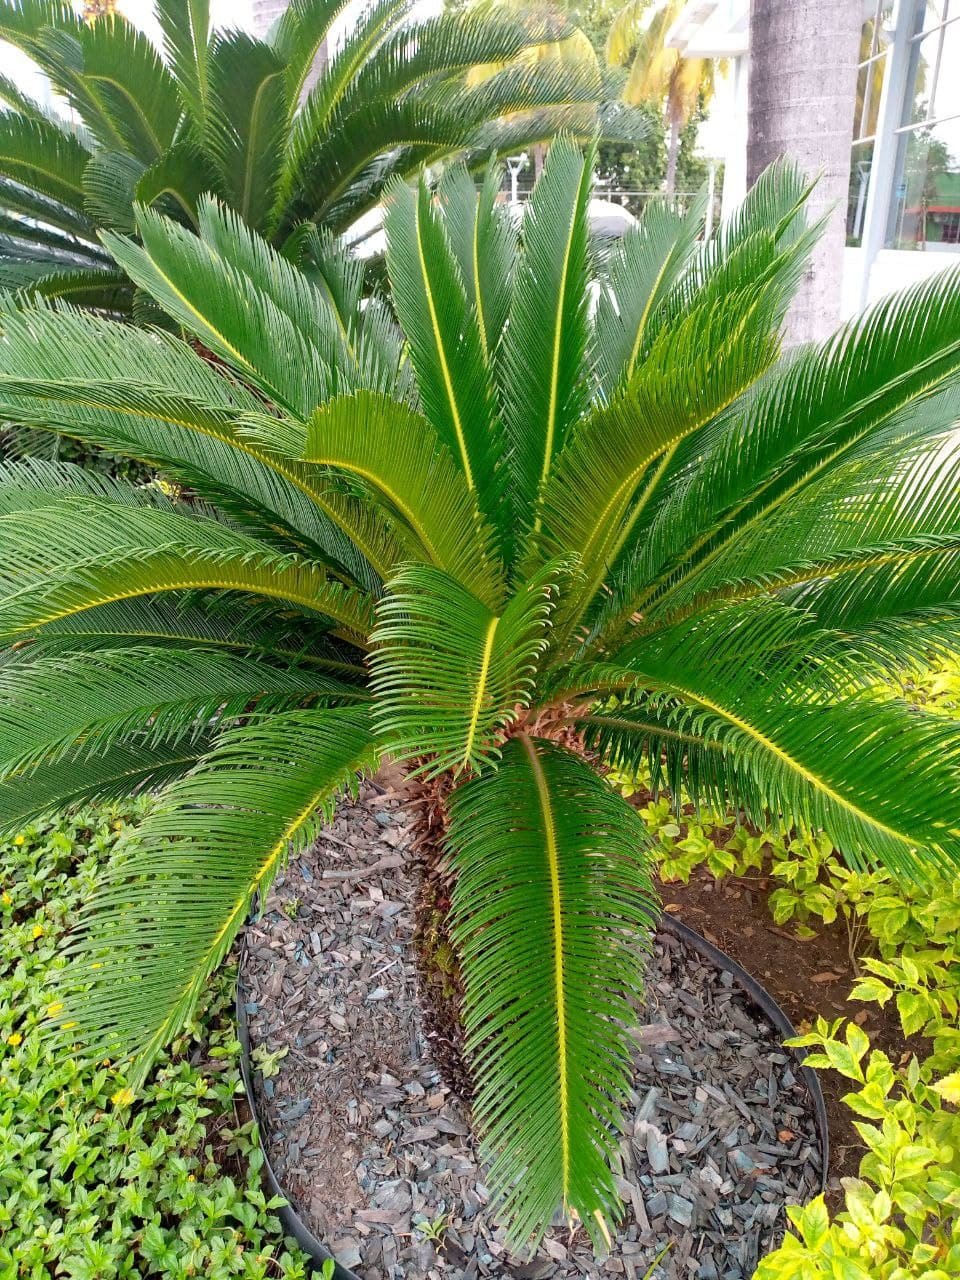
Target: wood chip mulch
(375,1150)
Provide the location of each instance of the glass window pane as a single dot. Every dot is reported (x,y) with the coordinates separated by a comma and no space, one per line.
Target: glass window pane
(925,214)
(933,72)
(923,61)
(934,12)
(869,85)
(861,162)
(946,92)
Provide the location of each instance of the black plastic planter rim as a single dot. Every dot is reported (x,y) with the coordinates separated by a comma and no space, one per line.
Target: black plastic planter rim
(294,1225)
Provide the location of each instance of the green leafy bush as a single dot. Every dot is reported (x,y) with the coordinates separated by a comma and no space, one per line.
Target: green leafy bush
(899,1220)
(92,1185)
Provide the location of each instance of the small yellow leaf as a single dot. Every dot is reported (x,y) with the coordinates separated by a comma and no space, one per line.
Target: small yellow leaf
(949,1088)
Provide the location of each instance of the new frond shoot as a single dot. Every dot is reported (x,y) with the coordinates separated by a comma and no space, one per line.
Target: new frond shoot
(536,519)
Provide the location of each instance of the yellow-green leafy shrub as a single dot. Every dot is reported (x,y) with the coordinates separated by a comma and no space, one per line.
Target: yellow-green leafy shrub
(900,1216)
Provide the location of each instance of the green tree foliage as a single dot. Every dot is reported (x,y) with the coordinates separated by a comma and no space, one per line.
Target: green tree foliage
(527,515)
(659,76)
(223,113)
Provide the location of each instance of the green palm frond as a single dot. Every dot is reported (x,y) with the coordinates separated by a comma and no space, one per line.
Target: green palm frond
(552,908)
(446,347)
(81,704)
(86,286)
(79,553)
(437,50)
(176,183)
(186,34)
(610,473)
(22,103)
(271,781)
(445,668)
(546,341)
(303,27)
(110,182)
(29,208)
(859,518)
(865,388)
(244,121)
(28,483)
(311,127)
(766,683)
(398,454)
(552,85)
(27,18)
(41,155)
(226,311)
(113,775)
(484,241)
(644,268)
(149,397)
(203,623)
(116,81)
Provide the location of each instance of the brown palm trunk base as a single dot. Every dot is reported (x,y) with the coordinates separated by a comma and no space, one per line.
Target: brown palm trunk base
(438,968)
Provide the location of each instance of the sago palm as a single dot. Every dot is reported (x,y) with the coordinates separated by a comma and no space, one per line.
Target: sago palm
(624,523)
(224,113)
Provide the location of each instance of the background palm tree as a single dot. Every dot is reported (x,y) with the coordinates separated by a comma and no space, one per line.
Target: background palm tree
(225,113)
(522,509)
(803,92)
(659,74)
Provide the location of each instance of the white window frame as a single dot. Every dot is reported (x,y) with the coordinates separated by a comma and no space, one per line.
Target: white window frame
(891,129)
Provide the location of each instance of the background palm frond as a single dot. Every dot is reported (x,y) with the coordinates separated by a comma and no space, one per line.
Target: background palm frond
(288,129)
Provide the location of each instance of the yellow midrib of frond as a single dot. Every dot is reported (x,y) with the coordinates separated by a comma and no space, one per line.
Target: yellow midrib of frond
(482,680)
(193,582)
(557,339)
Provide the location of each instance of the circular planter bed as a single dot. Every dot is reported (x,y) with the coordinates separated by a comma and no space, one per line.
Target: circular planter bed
(373,1148)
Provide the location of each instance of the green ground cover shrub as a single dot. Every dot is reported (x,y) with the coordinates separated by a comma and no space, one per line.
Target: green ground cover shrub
(95,1185)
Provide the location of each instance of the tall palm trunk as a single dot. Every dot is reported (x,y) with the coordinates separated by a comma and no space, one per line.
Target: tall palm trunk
(673,154)
(803,76)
